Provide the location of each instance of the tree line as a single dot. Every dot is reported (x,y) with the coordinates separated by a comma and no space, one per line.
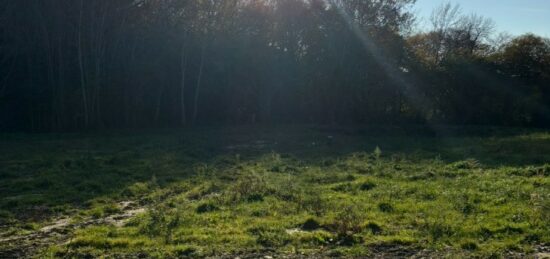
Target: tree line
(79,65)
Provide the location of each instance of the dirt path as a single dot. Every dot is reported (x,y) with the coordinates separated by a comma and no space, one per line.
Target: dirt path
(61,231)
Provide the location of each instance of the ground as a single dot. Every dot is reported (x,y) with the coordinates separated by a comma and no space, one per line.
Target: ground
(290,192)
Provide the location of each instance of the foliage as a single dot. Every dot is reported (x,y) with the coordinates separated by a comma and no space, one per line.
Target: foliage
(88,65)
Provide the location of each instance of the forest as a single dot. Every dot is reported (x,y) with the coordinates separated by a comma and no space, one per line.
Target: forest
(245,129)
(85,65)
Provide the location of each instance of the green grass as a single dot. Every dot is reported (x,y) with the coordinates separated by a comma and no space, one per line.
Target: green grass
(295,190)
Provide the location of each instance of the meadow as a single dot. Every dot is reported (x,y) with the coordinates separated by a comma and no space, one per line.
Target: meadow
(289,192)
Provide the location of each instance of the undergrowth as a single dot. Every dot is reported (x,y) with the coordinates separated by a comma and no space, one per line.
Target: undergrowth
(347,197)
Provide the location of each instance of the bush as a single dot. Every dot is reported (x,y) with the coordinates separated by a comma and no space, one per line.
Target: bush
(439,230)
(367,186)
(310,225)
(104,210)
(532,171)
(6,217)
(466,164)
(136,190)
(161,222)
(385,207)
(330,178)
(185,251)
(207,207)
(315,203)
(203,190)
(349,240)
(345,187)
(347,224)
(268,237)
(316,238)
(374,228)
(377,153)
(249,187)
(469,245)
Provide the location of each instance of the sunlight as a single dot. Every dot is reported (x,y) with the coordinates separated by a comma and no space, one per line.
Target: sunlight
(274,129)
(395,74)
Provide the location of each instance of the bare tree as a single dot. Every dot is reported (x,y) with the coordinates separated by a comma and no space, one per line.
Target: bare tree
(474,31)
(498,42)
(443,19)
(458,34)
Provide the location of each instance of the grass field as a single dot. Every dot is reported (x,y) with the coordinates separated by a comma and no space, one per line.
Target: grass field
(293,191)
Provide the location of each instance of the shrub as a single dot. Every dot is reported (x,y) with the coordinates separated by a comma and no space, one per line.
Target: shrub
(428,195)
(316,238)
(385,207)
(533,171)
(349,240)
(438,230)
(347,224)
(289,190)
(203,190)
(161,222)
(6,217)
(185,251)
(104,210)
(367,186)
(207,207)
(268,237)
(345,187)
(249,187)
(469,245)
(315,203)
(374,228)
(136,190)
(310,225)
(466,164)
(330,178)
(377,153)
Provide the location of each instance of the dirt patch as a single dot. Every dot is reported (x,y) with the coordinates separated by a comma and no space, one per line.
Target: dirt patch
(61,230)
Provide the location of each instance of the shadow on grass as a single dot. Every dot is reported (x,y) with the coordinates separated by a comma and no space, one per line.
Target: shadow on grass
(45,174)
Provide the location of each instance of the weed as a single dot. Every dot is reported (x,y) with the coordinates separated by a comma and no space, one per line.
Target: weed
(367,186)
(161,222)
(385,207)
(269,237)
(249,187)
(374,228)
(347,224)
(204,202)
(466,164)
(207,207)
(469,245)
(377,153)
(310,225)
(315,203)
(439,230)
(203,190)
(185,251)
(345,187)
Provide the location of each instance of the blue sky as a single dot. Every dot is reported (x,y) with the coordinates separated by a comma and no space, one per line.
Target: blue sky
(513,16)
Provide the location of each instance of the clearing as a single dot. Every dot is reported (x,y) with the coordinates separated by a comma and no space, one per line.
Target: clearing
(289,192)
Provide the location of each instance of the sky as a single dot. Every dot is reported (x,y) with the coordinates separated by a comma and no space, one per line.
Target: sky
(513,16)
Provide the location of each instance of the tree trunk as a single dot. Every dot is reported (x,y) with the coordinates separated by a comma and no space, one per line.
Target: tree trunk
(198,88)
(99,54)
(159,102)
(81,67)
(182,84)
